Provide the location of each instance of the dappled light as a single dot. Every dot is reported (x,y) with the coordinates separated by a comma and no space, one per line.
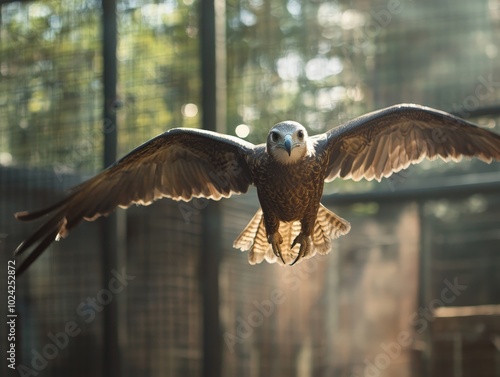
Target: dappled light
(242,130)
(412,290)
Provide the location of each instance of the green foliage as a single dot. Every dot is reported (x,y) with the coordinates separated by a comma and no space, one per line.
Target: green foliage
(318,62)
(49,81)
(159,70)
(51,71)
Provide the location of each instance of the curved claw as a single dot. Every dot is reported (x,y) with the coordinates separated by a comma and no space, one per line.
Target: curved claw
(304,246)
(275,240)
(300,254)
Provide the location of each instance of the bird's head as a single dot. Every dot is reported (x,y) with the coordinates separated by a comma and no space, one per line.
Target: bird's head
(287,142)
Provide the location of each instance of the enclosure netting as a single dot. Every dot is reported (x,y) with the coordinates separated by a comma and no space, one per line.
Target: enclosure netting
(317,62)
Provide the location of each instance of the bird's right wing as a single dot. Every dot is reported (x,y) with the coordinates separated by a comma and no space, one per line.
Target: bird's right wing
(383,142)
(179,164)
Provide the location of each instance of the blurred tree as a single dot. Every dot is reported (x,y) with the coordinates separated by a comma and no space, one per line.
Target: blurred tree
(49,82)
(319,62)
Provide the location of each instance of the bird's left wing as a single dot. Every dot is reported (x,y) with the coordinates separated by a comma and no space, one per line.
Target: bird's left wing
(179,164)
(383,142)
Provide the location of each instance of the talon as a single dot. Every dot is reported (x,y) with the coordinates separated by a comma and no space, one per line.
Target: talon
(296,259)
(279,254)
(300,254)
(304,246)
(275,240)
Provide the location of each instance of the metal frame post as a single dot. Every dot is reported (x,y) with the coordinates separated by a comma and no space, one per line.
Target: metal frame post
(113,227)
(213,101)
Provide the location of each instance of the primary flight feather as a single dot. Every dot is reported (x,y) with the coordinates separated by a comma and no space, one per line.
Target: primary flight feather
(289,172)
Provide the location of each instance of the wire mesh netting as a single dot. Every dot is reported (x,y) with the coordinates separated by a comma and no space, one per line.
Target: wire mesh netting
(373,306)
(52,139)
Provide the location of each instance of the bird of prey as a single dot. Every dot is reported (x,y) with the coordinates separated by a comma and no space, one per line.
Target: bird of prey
(289,172)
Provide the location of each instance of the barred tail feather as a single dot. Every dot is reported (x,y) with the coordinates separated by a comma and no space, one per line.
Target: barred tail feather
(328,226)
(253,238)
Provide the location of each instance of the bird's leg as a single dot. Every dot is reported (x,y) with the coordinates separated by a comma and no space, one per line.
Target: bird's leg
(304,246)
(302,239)
(275,240)
(273,236)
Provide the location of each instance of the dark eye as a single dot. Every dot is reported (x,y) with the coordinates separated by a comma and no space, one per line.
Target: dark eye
(300,134)
(274,136)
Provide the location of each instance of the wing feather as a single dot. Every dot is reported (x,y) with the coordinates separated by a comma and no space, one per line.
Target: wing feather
(179,164)
(384,142)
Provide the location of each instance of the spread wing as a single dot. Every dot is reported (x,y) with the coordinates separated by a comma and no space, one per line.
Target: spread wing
(383,142)
(179,164)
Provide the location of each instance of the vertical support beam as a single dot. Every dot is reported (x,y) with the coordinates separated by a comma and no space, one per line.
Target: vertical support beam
(113,227)
(220,66)
(457,355)
(425,286)
(213,103)
(110,77)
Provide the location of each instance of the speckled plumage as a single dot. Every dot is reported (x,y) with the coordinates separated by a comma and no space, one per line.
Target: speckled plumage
(289,171)
(287,194)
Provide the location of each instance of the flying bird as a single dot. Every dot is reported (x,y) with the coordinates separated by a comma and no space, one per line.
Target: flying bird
(289,172)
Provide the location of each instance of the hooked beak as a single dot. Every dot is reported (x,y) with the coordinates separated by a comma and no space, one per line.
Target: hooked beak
(288,144)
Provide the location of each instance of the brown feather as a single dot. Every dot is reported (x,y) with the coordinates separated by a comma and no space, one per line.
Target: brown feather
(186,163)
(391,139)
(180,164)
(253,238)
